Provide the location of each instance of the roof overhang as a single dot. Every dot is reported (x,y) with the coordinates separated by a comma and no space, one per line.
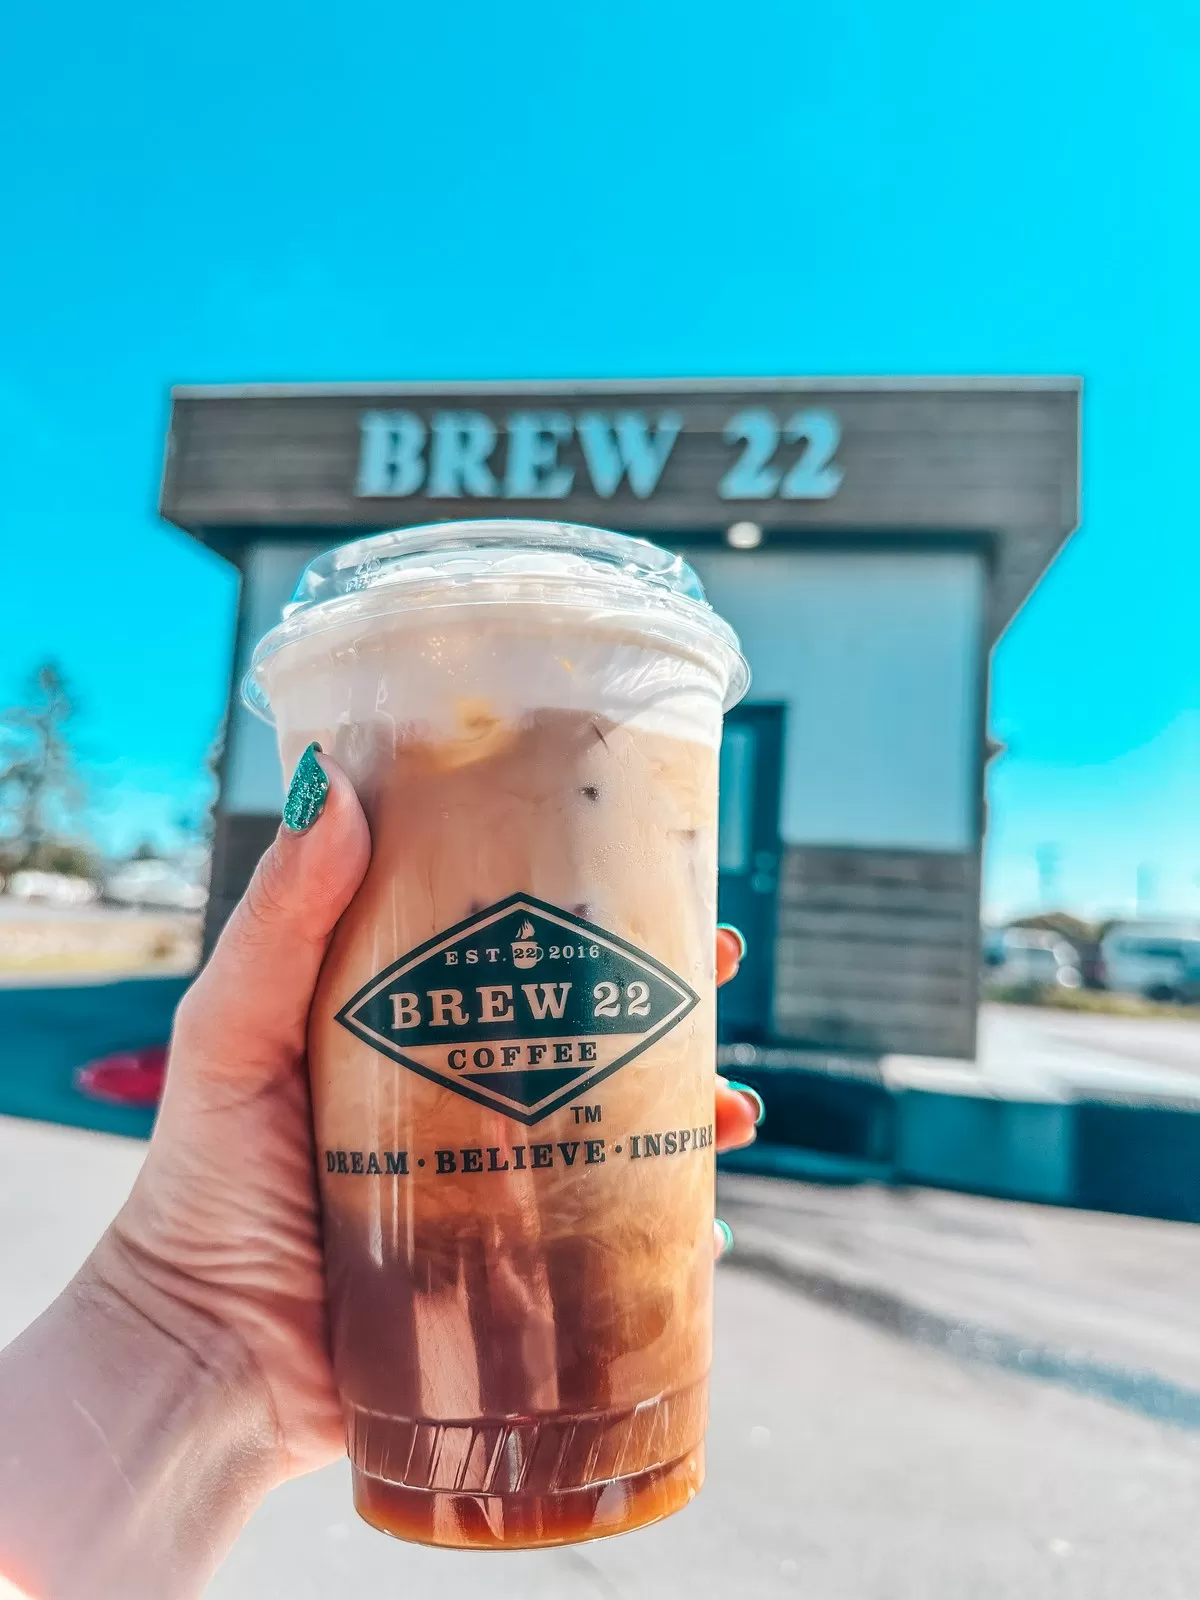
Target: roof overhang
(994,460)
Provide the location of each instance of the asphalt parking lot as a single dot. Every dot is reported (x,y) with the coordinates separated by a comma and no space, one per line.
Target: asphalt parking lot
(917,1396)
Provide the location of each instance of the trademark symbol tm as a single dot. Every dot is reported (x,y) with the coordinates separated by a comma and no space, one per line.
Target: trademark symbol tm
(586,1113)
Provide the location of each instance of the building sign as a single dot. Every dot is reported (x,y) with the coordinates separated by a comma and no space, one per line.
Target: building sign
(469,454)
(679,459)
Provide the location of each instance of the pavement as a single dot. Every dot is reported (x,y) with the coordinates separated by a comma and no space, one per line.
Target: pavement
(1038,1053)
(917,1396)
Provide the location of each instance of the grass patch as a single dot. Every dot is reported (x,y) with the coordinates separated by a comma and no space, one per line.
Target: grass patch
(1103,1002)
(117,943)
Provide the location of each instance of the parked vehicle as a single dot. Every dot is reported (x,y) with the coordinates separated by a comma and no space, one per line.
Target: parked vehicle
(128,1078)
(1149,958)
(51,889)
(1030,956)
(1189,980)
(154,885)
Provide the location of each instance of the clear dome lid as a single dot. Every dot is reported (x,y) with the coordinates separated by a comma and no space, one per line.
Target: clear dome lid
(615,577)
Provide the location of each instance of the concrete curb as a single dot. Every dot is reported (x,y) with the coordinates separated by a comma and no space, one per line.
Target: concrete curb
(1122,1154)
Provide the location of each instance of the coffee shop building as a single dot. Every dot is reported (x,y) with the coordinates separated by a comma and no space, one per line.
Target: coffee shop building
(869,540)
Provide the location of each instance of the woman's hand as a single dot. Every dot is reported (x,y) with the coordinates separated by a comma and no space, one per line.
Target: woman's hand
(224,1215)
(217,1255)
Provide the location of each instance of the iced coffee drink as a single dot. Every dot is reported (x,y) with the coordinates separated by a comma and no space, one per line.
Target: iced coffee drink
(512,1042)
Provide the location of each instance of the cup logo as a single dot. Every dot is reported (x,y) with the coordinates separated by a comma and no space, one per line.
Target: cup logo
(526,950)
(464,1011)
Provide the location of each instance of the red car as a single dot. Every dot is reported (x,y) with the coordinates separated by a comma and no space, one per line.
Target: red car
(128,1078)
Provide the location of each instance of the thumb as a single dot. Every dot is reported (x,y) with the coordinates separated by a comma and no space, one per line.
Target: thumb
(247,1012)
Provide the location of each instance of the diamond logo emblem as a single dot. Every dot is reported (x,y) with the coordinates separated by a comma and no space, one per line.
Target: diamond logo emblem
(520,1008)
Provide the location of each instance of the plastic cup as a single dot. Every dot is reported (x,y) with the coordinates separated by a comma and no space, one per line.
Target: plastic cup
(511,1046)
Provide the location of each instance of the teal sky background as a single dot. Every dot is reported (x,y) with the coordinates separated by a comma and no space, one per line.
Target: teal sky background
(277,192)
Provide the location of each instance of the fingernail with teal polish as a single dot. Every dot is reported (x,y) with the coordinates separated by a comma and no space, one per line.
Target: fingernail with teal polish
(738,935)
(755,1099)
(726,1233)
(306,792)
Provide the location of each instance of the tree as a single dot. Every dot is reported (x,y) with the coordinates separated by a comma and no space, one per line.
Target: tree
(1074,929)
(198,822)
(40,788)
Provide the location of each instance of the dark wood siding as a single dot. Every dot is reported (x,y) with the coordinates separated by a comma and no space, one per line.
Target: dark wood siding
(995,458)
(878,950)
(240,840)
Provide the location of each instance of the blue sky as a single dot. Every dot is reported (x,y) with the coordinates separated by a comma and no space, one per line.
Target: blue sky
(302,192)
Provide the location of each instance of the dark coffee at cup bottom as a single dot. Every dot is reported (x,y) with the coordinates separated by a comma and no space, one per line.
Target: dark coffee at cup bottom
(582,1463)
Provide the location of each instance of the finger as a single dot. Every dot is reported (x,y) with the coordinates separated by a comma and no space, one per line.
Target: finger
(731,948)
(250,1004)
(722,1238)
(740,1110)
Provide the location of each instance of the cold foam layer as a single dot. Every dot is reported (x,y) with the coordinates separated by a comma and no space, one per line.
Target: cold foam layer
(581,580)
(460,677)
